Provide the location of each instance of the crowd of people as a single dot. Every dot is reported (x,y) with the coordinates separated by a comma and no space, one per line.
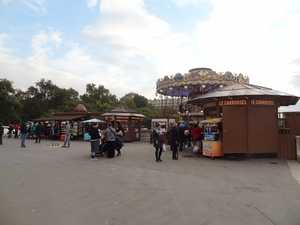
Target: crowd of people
(180,136)
(108,139)
(104,139)
(35,130)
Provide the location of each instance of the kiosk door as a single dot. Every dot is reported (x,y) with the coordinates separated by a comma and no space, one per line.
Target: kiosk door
(234,129)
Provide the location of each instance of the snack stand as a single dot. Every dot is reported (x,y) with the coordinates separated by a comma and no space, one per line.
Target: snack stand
(212,142)
(249,124)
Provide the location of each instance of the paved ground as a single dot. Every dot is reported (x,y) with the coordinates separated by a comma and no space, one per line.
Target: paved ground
(43,185)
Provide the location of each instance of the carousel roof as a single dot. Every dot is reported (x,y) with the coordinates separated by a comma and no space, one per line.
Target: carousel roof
(197,80)
(248,90)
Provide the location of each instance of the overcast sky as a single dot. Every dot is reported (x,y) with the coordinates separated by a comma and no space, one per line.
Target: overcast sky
(127,45)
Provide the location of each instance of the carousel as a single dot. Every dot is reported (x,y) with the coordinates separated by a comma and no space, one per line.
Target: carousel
(173,91)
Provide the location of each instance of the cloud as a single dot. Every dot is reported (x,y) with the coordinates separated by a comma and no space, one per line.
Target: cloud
(185,3)
(143,45)
(259,38)
(296,81)
(75,68)
(37,6)
(128,47)
(93,3)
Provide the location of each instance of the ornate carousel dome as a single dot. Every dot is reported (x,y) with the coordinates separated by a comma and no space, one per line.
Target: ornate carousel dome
(80,108)
(195,81)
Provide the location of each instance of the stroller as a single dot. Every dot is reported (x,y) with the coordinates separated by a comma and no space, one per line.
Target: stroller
(108,149)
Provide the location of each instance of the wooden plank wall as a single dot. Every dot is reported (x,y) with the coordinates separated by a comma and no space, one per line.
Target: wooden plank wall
(287,145)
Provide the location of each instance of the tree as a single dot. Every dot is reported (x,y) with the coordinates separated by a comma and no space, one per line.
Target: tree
(133,100)
(64,100)
(140,101)
(98,98)
(8,102)
(45,98)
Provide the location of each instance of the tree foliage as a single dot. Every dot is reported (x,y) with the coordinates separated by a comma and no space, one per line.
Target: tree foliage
(45,98)
(98,98)
(133,100)
(8,103)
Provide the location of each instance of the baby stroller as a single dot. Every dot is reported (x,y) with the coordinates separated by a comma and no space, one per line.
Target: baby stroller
(107,149)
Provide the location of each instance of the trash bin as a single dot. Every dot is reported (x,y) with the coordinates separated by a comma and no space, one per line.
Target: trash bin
(298,147)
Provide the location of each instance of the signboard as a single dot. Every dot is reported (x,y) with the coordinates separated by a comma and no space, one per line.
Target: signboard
(233,102)
(245,102)
(262,102)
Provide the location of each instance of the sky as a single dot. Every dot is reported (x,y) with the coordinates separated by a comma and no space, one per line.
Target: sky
(126,45)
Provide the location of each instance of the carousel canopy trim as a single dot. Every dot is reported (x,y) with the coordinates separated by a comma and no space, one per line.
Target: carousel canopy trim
(240,90)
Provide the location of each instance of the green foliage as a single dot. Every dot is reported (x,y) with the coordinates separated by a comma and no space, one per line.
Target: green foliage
(8,102)
(98,98)
(133,101)
(140,101)
(45,97)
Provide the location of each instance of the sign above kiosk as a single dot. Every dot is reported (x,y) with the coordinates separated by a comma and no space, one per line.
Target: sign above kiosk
(246,102)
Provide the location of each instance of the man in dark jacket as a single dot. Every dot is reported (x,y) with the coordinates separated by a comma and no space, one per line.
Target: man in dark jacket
(174,141)
(181,136)
(1,132)
(38,132)
(158,141)
(95,140)
(23,131)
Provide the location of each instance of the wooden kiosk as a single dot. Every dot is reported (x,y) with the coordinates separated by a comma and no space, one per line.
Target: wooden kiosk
(249,117)
(130,121)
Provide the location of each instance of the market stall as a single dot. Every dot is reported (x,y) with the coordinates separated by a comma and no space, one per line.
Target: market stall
(130,121)
(56,123)
(249,118)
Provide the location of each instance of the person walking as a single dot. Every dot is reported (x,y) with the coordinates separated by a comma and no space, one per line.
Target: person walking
(16,130)
(1,132)
(67,136)
(95,140)
(119,138)
(23,131)
(38,131)
(110,137)
(174,141)
(196,138)
(158,138)
(10,130)
(181,136)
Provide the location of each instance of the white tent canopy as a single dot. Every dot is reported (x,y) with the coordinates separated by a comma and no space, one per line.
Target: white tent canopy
(93,121)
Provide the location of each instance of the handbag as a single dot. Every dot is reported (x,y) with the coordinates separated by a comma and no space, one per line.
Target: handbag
(86,137)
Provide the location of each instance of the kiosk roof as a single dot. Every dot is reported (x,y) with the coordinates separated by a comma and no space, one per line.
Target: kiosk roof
(246,90)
